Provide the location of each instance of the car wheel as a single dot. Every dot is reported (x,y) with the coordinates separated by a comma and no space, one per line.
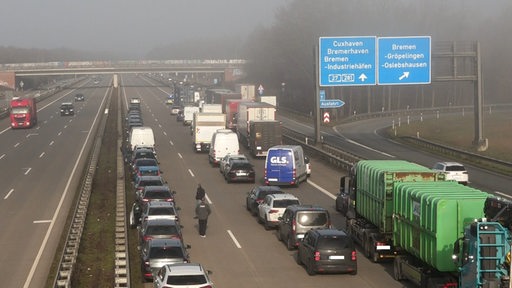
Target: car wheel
(266,224)
(260,220)
(310,269)
(278,234)
(353,272)
(290,244)
(297,258)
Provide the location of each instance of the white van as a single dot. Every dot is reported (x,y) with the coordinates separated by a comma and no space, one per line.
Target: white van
(141,136)
(224,142)
(285,165)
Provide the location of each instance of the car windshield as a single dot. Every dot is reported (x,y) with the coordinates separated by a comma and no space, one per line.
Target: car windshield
(241,166)
(161,230)
(334,243)
(285,203)
(157,195)
(312,218)
(186,280)
(262,194)
(165,252)
(455,168)
(144,183)
(146,162)
(161,211)
(149,173)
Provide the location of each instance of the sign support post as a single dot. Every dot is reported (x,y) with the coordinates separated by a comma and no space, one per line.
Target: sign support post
(317,97)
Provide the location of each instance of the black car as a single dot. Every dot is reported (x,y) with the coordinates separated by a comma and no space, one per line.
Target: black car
(327,251)
(240,171)
(256,196)
(79,97)
(159,229)
(155,193)
(67,109)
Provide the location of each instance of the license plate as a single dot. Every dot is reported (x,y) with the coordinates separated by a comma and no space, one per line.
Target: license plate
(241,174)
(337,257)
(300,236)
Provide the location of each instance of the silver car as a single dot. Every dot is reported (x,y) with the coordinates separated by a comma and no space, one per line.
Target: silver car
(159,252)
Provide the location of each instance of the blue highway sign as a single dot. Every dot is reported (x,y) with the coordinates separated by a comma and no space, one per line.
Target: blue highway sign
(404,60)
(347,61)
(332,103)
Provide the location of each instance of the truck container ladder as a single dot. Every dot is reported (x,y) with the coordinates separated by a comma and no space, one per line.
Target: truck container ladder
(492,248)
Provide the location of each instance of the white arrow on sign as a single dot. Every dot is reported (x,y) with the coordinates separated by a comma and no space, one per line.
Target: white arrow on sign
(363,77)
(405,75)
(326,117)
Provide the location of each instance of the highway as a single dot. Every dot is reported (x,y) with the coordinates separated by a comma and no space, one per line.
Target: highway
(41,168)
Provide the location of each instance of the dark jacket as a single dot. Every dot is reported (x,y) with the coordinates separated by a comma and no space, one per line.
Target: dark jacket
(203,211)
(200,193)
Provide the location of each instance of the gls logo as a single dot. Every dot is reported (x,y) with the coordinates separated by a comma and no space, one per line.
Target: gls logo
(278,160)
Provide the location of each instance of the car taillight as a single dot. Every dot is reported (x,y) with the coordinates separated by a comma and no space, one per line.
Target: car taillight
(317,256)
(145,200)
(169,200)
(259,201)
(273,211)
(146,238)
(353,256)
(294,224)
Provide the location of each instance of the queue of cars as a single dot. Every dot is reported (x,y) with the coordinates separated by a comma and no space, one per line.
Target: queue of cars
(164,255)
(307,228)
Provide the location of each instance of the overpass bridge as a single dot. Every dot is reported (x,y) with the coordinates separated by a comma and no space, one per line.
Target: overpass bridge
(227,69)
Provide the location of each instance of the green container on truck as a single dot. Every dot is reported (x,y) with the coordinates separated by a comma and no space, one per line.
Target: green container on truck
(429,217)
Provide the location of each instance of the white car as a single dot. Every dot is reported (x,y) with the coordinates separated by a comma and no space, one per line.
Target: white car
(453,170)
(308,165)
(273,207)
(225,161)
(190,275)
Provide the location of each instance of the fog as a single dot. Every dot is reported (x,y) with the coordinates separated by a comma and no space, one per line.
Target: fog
(127,27)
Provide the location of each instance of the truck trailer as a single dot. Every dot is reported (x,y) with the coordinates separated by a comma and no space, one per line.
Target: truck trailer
(434,230)
(23,112)
(231,110)
(204,125)
(252,111)
(188,114)
(263,135)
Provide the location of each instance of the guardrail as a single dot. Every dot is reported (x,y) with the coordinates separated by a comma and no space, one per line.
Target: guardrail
(344,160)
(492,164)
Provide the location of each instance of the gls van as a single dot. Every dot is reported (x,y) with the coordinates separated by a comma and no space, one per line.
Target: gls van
(224,142)
(285,165)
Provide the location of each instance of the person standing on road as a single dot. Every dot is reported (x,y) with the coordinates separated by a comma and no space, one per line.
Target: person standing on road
(200,193)
(202,212)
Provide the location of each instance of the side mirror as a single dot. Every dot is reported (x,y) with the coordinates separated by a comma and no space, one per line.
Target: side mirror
(174,192)
(188,246)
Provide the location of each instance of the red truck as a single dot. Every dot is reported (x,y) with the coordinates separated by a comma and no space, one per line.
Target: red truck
(23,113)
(231,111)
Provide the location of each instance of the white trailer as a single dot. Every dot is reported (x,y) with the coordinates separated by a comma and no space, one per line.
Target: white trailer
(188,114)
(252,111)
(205,124)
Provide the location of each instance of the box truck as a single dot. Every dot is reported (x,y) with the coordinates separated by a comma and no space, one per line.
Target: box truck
(264,134)
(205,124)
(252,111)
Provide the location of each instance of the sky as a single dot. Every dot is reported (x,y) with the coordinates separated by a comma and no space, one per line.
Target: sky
(127,26)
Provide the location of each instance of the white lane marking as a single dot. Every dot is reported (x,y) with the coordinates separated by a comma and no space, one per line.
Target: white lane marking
(41,155)
(165,133)
(208,199)
(179,155)
(234,239)
(503,194)
(28,171)
(42,221)
(170,141)
(3,155)
(159,126)
(65,126)
(3,131)
(322,189)
(9,193)
(51,143)
(59,133)
(192,174)
(17,144)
